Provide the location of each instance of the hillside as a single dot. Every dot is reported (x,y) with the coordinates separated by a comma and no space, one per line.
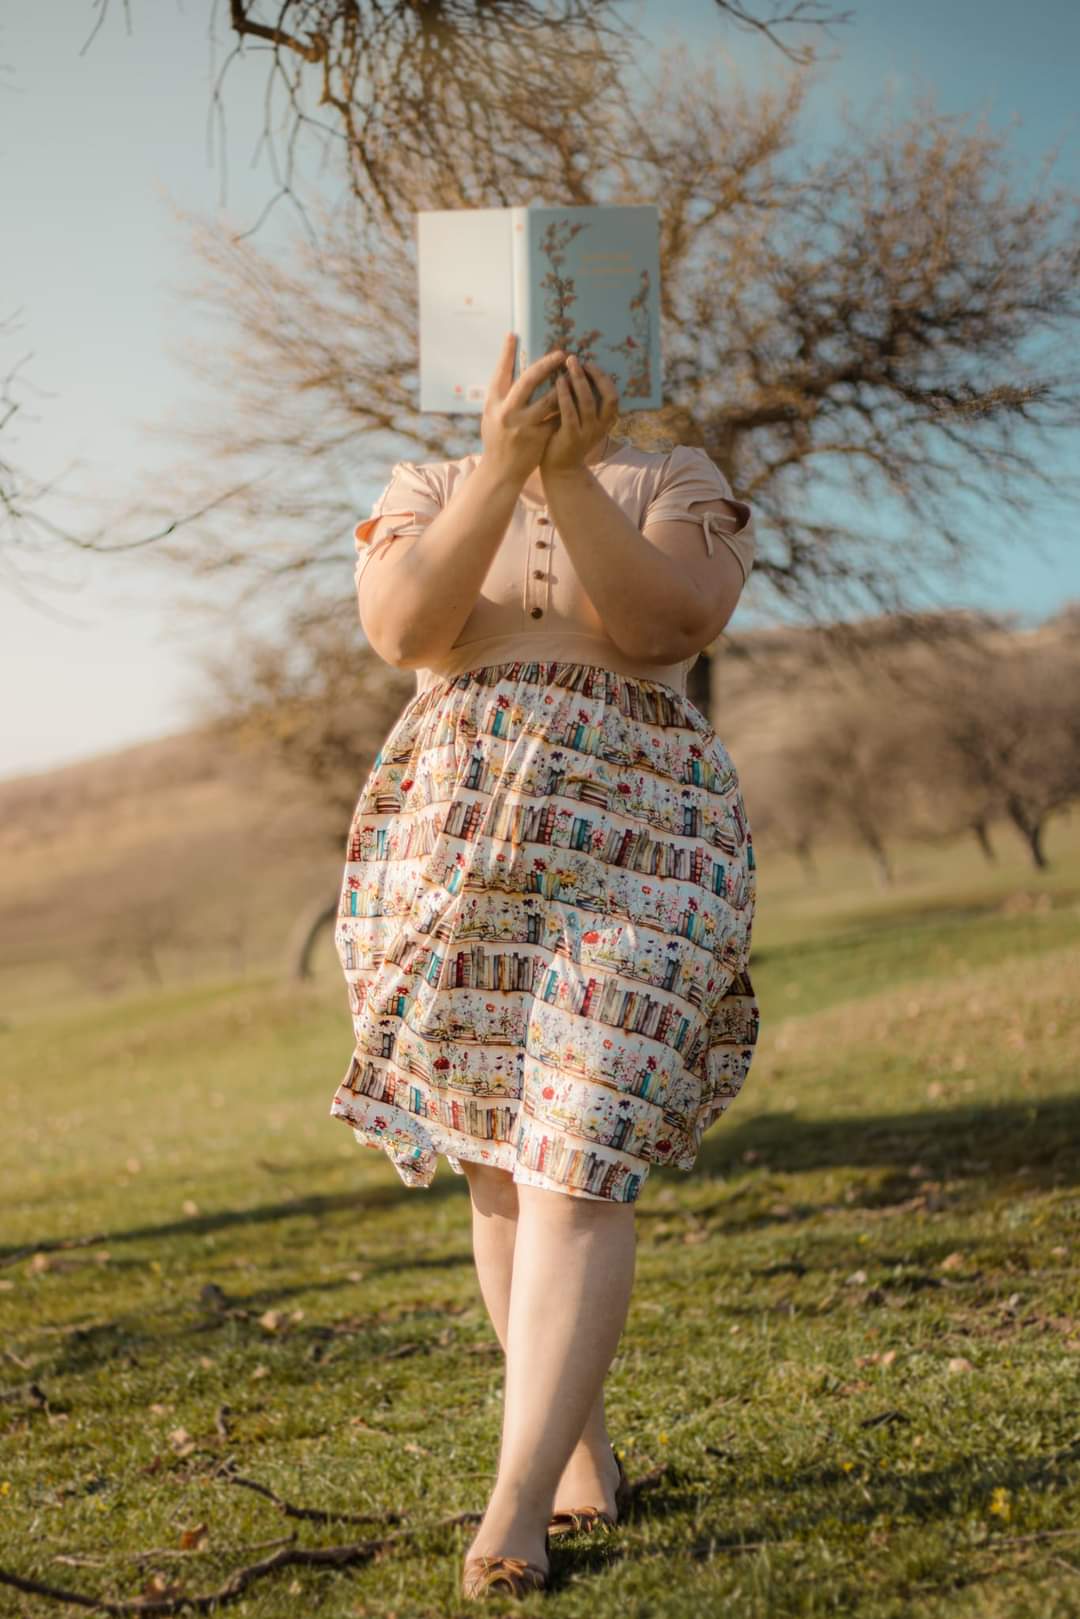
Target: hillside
(189,857)
(165,860)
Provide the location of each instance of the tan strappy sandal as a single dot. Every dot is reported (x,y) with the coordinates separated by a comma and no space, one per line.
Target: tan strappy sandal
(579,1520)
(502,1576)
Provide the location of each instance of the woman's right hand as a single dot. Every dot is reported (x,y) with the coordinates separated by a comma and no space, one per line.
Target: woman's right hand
(514,432)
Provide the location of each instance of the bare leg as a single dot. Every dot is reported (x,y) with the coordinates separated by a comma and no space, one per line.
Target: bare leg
(573,1272)
(494,1229)
(590,1476)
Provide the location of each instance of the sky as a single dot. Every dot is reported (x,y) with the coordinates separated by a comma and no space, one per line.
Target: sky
(100,137)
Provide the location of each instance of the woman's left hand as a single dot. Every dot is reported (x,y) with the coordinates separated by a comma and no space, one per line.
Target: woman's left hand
(582,422)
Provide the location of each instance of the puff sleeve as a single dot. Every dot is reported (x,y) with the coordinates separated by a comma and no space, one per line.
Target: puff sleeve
(407,503)
(689,473)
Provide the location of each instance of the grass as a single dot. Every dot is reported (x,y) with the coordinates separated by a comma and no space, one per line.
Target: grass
(850,1374)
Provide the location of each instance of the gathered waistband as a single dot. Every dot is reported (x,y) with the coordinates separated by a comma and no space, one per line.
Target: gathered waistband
(590,650)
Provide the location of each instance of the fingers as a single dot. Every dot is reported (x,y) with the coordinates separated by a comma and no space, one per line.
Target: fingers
(604,386)
(573,388)
(530,378)
(584,397)
(570,407)
(516,393)
(504,368)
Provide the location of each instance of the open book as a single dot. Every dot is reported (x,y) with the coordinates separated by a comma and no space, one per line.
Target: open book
(586,280)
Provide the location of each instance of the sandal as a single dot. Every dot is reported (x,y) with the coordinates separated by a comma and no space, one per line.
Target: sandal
(503,1576)
(578,1520)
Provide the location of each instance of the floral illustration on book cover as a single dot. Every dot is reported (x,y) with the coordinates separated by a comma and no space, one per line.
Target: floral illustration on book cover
(635,345)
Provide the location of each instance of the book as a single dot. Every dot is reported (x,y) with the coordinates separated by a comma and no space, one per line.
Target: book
(586,280)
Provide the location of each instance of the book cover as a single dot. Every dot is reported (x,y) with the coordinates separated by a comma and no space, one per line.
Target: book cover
(583,279)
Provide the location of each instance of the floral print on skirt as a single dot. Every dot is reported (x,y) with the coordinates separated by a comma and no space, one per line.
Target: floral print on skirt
(544,927)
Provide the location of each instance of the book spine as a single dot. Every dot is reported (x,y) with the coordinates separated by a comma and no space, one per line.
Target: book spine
(519,284)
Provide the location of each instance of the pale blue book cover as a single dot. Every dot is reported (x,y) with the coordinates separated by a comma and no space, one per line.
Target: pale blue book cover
(583,279)
(587,280)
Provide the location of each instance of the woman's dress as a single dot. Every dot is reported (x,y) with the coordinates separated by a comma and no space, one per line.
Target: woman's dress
(549,884)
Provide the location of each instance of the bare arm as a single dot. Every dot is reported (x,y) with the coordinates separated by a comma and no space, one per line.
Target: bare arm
(660,599)
(414,595)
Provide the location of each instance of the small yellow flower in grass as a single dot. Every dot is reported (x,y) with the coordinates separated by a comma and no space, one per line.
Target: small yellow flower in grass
(862,1237)
(5,1487)
(1001,1504)
(663,1438)
(847,1466)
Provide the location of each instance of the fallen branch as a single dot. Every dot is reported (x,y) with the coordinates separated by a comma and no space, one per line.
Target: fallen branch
(361,1551)
(648,1481)
(315,1514)
(289,1555)
(153,1554)
(29,1394)
(54,1247)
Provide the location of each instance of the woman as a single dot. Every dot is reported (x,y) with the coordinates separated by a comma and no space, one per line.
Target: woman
(549,888)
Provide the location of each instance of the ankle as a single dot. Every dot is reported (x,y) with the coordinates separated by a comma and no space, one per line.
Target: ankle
(597,1447)
(520,1501)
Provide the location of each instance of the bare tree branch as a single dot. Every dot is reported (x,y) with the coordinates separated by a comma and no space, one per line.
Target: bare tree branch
(864,331)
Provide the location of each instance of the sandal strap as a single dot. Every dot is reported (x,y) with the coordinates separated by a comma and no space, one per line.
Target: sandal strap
(624,1491)
(482,1572)
(581,1517)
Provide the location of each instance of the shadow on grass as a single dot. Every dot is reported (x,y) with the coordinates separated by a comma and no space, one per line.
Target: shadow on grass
(826,1499)
(386,1196)
(193,1325)
(1039,1139)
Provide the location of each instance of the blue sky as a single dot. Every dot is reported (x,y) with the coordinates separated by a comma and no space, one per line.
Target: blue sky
(96,143)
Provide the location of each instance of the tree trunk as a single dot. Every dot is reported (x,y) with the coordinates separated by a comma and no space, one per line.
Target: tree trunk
(879,855)
(1034,842)
(305,934)
(982,838)
(1031,830)
(699,685)
(805,855)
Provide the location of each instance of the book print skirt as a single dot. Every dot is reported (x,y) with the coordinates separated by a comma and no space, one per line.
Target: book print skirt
(544,927)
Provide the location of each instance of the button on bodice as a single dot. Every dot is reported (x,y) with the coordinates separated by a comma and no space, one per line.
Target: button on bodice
(536,595)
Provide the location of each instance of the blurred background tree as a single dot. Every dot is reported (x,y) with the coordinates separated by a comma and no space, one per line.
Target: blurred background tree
(874,329)
(864,330)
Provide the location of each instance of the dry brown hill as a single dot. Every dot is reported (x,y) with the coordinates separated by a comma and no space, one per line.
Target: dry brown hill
(188,856)
(175,857)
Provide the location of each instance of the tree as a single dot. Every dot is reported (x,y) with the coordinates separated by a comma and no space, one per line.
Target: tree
(389,82)
(909,732)
(1014,733)
(865,324)
(383,86)
(312,701)
(853,326)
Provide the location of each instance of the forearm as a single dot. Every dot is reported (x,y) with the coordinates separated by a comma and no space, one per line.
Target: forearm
(415,594)
(652,606)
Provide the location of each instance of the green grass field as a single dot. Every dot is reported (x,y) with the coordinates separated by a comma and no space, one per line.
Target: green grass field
(848,1384)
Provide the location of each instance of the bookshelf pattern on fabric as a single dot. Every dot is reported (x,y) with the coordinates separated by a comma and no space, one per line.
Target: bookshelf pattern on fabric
(544,926)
